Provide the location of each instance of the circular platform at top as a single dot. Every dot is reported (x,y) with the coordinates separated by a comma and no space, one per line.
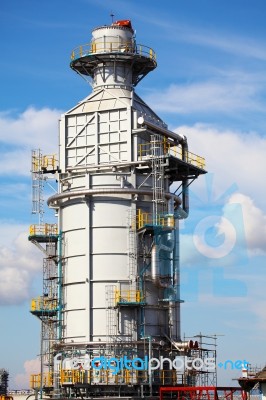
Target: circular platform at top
(142,60)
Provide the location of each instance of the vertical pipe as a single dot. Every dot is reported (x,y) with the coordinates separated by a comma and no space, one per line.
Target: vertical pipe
(150,356)
(176,279)
(59,269)
(185,191)
(42,338)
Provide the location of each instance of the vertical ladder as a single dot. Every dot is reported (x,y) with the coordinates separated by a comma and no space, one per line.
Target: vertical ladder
(111,319)
(132,250)
(157,160)
(37,184)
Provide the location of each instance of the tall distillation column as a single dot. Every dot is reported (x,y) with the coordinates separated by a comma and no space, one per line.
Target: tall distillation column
(118,285)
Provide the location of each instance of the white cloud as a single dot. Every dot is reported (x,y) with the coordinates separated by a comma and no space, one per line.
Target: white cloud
(238,231)
(237,217)
(22,381)
(29,130)
(232,158)
(254,224)
(245,47)
(19,264)
(225,95)
(20,260)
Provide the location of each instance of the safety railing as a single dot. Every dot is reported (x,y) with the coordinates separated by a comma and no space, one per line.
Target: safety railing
(36,381)
(148,219)
(106,376)
(43,304)
(42,163)
(113,47)
(43,229)
(128,296)
(145,151)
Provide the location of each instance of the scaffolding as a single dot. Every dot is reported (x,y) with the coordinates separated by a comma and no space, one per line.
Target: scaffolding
(4,376)
(206,350)
(45,236)
(132,249)
(111,319)
(40,165)
(45,307)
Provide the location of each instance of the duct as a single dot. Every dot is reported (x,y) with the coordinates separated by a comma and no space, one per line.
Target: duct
(182,345)
(174,320)
(53,200)
(175,136)
(155,260)
(185,184)
(183,141)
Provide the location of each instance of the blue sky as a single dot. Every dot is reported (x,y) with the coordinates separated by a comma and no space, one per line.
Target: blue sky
(210,85)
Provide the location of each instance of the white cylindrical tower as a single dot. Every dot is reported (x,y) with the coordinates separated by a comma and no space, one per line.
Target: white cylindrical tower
(118,223)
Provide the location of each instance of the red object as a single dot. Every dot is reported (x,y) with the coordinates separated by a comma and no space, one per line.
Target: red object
(203,392)
(123,22)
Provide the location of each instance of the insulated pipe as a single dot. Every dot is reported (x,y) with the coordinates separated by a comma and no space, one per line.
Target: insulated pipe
(182,345)
(52,201)
(174,308)
(176,269)
(183,141)
(164,131)
(59,291)
(185,183)
(155,261)
(185,345)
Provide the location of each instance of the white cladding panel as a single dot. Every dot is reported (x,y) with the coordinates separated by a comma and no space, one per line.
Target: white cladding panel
(76,269)
(110,34)
(76,242)
(80,214)
(99,322)
(99,295)
(110,268)
(109,240)
(77,326)
(107,180)
(110,212)
(76,296)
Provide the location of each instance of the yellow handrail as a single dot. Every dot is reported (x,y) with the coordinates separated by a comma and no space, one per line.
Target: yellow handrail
(43,230)
(72,377)
(144,218)
(40,163)
(128,296)
(113,47)
(47,380)
(43,304)
(145,151)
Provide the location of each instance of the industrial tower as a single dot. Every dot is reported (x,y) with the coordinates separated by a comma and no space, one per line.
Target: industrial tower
(111,299)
